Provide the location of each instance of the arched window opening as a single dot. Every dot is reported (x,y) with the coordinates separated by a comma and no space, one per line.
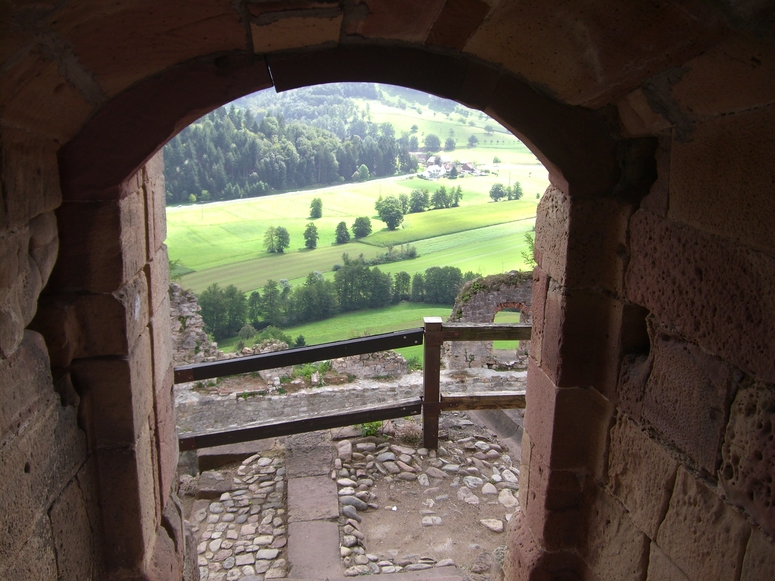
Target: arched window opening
(338,211)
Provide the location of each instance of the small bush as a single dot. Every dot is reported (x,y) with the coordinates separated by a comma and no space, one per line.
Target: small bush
(370,428)
(414,363)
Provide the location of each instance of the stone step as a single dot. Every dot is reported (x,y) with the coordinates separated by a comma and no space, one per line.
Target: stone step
(507,425)
(313,550)
(443,574)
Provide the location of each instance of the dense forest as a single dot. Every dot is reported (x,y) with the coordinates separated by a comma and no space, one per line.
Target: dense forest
(355,286)
(269,143)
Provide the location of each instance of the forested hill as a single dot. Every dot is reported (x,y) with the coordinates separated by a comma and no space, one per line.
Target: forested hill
(317,138)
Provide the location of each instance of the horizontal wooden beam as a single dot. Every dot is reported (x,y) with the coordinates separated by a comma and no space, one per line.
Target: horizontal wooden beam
(359,346)
(485,401)
(486,332)
(399,409)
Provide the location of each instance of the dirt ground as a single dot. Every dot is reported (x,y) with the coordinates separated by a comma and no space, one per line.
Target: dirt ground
(395,530)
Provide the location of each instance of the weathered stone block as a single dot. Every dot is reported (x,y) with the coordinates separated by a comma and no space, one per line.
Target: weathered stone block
(524,470)
(166,563)
(615,549)
(721,179)
(102,244)
(633,374)
(93,325)
(581,338)
(44,243)
(144,39)
(661,568)
(743,61)
(38,462)
(759,561)
(130,521)
(641,474)
(36,561)
(515,29)
(527,561)
(554,505)
(568,426)
(36,96)
(399,20)
(25,384)
(121,392)
(552,232)
(700,533)
(687,397)
(295,32)
(161,338)
(456,22)
(155,203)
(597,243)
(166,442)
(20,285)
(748,454)
(712,291)
(87,482)
(637,117)
(540,288)
(72,534)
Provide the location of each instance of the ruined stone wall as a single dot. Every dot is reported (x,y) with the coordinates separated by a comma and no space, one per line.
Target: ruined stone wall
(380,364)
(190,343)
(199,412)
(478,302)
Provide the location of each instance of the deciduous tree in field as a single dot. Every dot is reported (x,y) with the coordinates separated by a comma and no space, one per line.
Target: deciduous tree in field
(311,236)
(342,233)
(498,191)
(419,200)
(316,208)
(389,211)
(362,227)
(276,239)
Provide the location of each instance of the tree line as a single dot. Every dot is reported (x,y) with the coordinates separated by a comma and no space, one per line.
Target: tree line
(392,209)
(355,286)
(231,154)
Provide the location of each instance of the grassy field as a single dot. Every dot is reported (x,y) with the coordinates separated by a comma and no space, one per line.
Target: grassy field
(223,242)
(209,235)
(361,323)
(484,251)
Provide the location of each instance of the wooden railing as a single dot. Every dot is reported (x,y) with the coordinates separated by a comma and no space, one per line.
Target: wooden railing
(430,404)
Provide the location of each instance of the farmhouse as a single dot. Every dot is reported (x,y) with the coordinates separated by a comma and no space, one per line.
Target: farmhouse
(648,450)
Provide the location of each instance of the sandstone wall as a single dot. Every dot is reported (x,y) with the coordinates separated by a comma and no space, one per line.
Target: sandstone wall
(105,320)
(478,302)
(664,345)
(49,517)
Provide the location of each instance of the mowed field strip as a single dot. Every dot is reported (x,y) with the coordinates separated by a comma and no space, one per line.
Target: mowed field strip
(223,242)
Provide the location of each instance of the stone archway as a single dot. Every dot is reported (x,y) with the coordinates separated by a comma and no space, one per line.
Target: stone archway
(478,302)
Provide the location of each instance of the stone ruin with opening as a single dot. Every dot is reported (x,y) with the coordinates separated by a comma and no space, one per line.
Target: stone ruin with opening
(479,301)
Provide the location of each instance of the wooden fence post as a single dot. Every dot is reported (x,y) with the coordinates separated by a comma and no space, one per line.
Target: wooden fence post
(431,406)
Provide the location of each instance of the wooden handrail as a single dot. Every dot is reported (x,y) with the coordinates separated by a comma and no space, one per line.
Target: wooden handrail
(432,336)
(359,346)
(399,409)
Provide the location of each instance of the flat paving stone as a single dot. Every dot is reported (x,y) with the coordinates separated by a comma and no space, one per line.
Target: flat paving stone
(313,550)
(312,498)
(308,461)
